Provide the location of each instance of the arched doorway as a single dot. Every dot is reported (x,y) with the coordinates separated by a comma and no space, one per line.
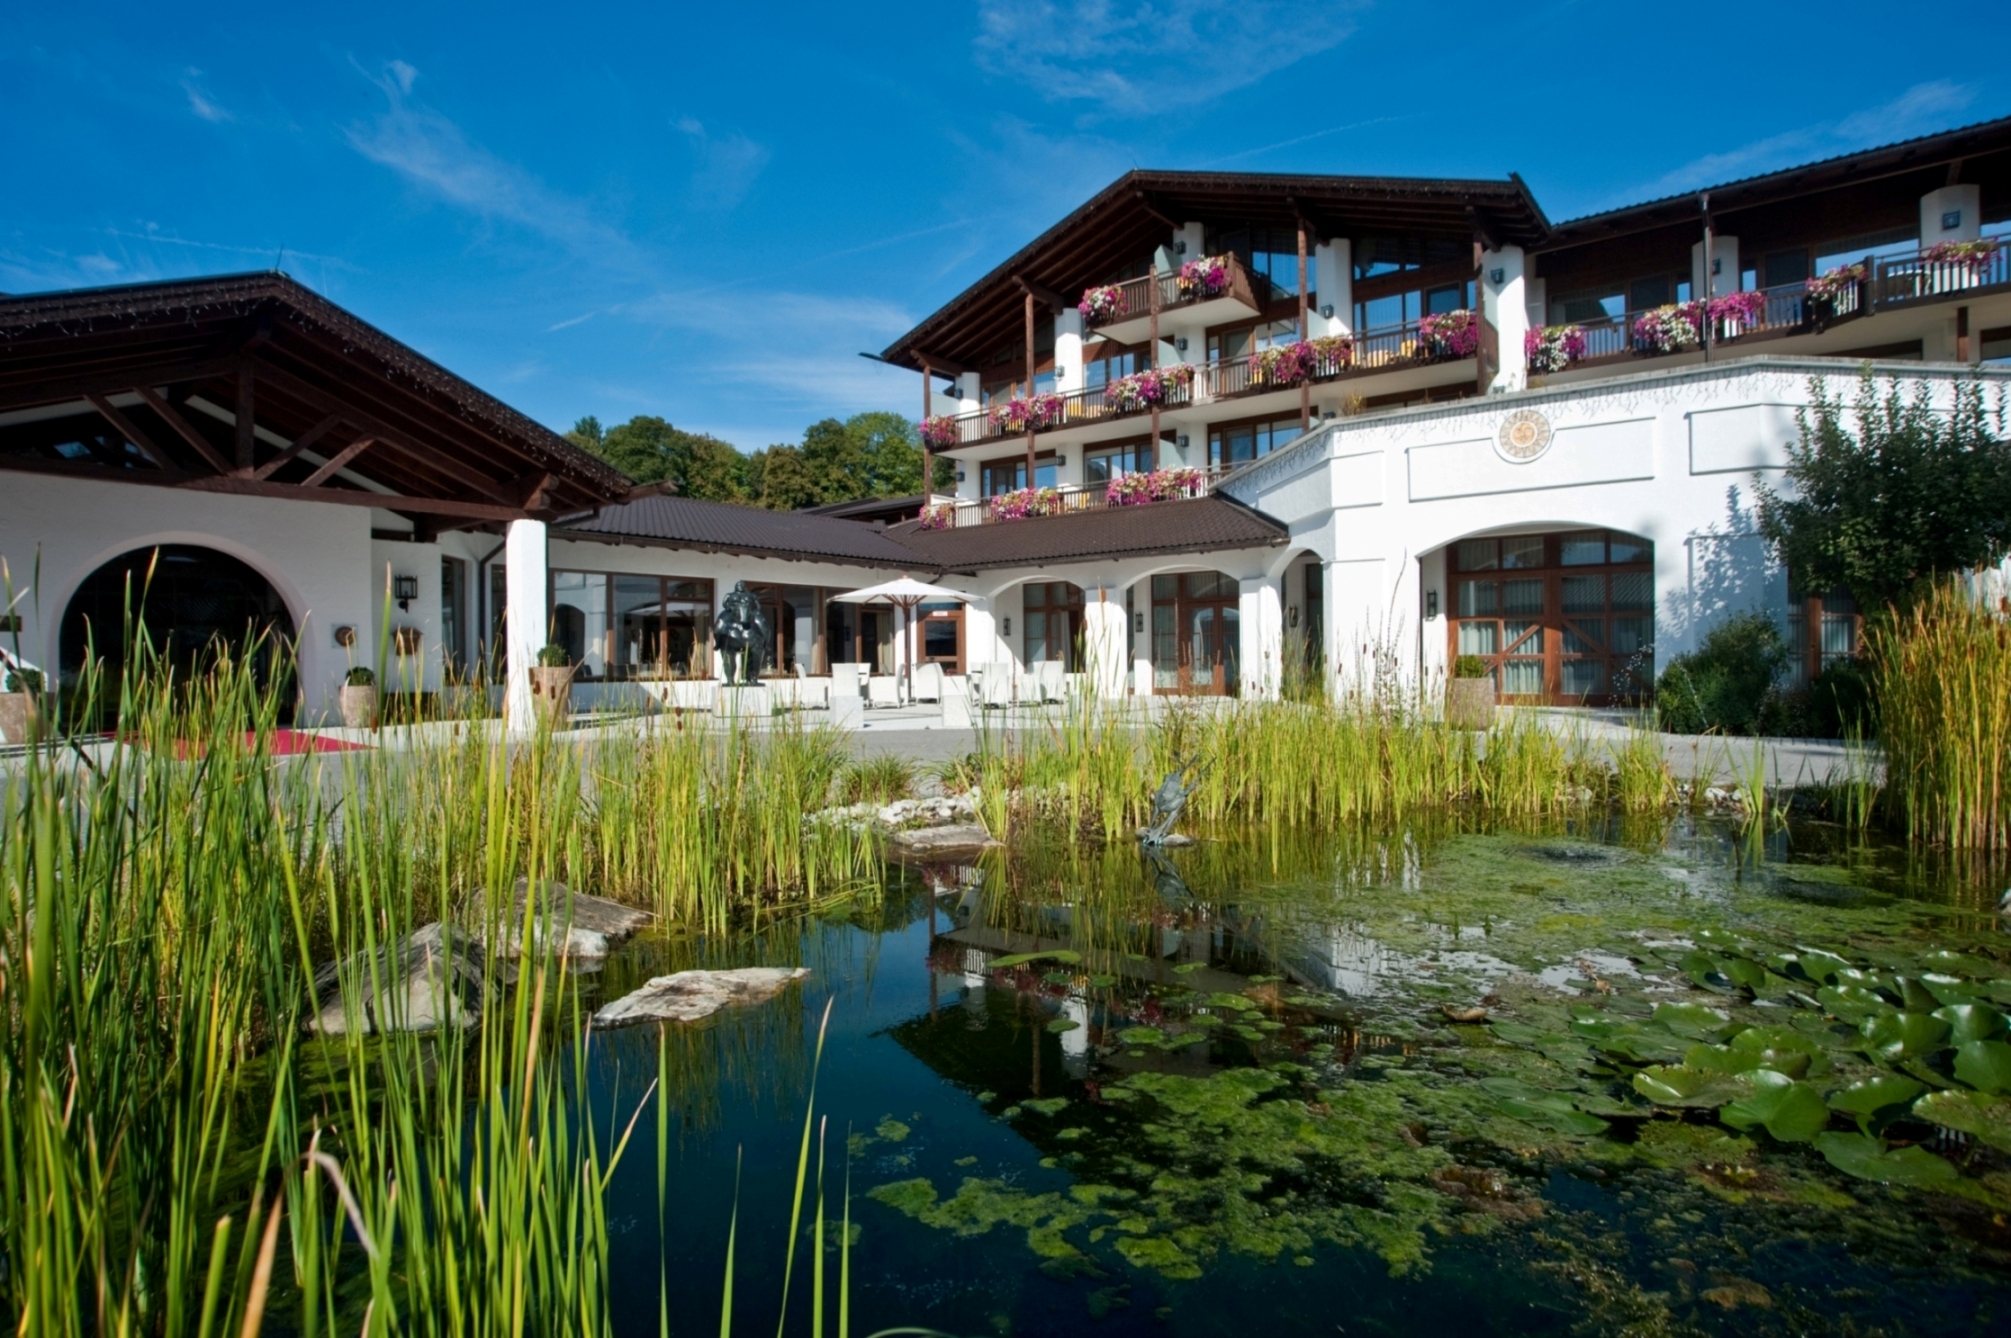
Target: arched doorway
(190,601)
(1196,634)
(1566,616)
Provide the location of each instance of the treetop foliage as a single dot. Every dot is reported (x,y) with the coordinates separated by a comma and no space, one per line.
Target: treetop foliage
(875,454)
(1892,493)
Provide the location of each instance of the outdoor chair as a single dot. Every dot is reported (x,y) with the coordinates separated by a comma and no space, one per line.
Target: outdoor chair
(928,682)
(883,690)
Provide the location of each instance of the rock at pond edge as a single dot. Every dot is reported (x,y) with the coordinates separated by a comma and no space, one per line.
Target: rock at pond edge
(430,979)
(688,996)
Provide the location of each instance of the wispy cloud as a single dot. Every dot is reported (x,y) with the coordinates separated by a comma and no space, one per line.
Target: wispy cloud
(200,100)
(569,324)
(1143,58)
(1923,108)
(727,165)
(1306,139)
(433,154)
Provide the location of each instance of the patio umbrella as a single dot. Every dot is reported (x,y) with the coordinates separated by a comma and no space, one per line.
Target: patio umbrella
(906,594)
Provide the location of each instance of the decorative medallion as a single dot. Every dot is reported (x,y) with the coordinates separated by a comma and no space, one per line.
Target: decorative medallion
(1525,434)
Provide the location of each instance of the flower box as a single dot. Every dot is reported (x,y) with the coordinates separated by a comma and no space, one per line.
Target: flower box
(1834,283)
(1204,277)
(1100,306)
(1289,364)
(1027,415)
(1669,329)
(1554,347)
(1450,334)
(940,516)
(1142,390)
(1026,503)
(1736,313)
(1157,485)
(940,432)
(1975,254)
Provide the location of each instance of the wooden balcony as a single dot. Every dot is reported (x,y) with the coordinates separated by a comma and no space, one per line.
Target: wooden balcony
(1132,322)
(1388,350)
(1906,281)
(1069,500)
(1786,310)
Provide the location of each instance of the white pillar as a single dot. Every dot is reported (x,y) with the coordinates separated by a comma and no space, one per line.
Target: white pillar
(1187,243)
(1261,623)
(1104,634)
(1724,275)
(981,633)
(1068,349)
(971,390)
(1333,288)
(527,578)
(1504,301)
(1951,214)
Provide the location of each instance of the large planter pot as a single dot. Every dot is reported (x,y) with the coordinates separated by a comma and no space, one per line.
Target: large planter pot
(552,693)
(1469,703)
(20,717)
(359,706)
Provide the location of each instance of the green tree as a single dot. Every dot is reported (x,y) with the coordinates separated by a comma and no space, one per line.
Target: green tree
(650,449)
(781,480)
(1906,494)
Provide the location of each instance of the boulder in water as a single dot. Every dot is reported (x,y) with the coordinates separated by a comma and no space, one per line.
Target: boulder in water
(563,922)
(688,996)
(428,980)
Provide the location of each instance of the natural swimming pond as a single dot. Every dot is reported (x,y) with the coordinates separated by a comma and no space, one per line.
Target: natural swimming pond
(1563,1079)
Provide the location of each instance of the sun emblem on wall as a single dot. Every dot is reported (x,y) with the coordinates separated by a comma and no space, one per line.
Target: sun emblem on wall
(1525,434)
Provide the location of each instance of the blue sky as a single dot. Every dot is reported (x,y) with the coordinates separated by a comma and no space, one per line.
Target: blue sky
(707,211)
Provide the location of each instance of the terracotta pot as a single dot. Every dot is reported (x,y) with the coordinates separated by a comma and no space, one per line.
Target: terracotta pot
(359,706)
(20,717)
(1469,703)
(552,692)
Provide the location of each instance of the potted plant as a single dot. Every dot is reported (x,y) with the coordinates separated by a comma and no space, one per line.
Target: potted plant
(1450,334)
(1669,329)
(1554,347)
(1102,305)
(1142,390)
(1027,415)
(1026,503)
(940,432)
(1469,696)
(1736,313)
(1827,289)
(1204,277)
(552,683)
(939,516)
(21,705)
(1158,485)
(359,698)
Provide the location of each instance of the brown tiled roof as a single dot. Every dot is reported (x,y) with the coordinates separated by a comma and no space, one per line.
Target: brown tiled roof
(1203,525)
(724,527)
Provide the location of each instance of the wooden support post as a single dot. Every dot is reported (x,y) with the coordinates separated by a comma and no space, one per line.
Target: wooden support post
(1152,306)
(1962,334)
(183,428)
(928,455)
(1029,390)
(245,419)
(1306,383)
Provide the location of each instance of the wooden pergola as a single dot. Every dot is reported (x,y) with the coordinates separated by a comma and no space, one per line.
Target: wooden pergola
(252,385)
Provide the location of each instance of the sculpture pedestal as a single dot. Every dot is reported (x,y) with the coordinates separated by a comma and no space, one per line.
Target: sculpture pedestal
(743,701)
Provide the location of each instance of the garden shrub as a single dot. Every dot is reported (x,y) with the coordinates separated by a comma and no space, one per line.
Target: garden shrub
(1728,683)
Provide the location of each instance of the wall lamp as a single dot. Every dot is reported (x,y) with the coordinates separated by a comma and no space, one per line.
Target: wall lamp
(1951,220)
(1180,344)
(405,589)
(345,636)
(1327,311)
(1005,627)
(1431,603)
(1497,276)
(1181,441)
(1138,623)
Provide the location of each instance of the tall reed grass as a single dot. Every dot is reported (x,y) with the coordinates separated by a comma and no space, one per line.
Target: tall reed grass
(1941,672)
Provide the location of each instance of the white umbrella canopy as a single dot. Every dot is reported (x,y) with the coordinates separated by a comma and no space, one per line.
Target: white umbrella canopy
(905,594)
(907,590)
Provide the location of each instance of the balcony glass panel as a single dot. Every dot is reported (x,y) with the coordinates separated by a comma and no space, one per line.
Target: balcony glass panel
(1633,590)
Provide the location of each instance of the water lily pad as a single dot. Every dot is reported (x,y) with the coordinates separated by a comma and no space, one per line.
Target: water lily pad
(1869,1159)
(1913,996)
(1882,1092)
(1896,1036)
(1950,990)
(1791,1111)
(1062,1024)
(1984,1065)
(1188,968)
(1982,1117)
(1971,1022)
(1694,1022)
(1050,1105)
(1068,955)
(1820,966)
(1235,1001)
(1853,1002)
(1956,963)
(1680,1085)
(1553,1113)
(1772,1044)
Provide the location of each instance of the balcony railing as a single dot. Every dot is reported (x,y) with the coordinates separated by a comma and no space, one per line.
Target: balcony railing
(1786,309)
(1133,297)
(1386,350)
(1070,499)
(1069,408)
(1933,274)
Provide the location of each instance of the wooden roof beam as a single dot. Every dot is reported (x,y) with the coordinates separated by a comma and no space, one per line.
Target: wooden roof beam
(140,440)
(182,428)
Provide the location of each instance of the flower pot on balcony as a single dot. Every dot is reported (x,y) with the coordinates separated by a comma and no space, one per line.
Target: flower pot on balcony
(552,692)
(1469,703)
(359,706)
(20,716)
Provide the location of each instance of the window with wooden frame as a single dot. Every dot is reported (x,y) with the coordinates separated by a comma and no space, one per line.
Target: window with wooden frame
(1823,630)
(1564,616)
(1268,253)
(1237,443)
(1008,473)
(1103,463)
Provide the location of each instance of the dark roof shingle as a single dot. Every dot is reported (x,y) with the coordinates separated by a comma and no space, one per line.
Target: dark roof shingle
(725,527)
(1202,525)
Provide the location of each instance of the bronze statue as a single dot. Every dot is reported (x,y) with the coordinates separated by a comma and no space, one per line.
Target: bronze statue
(741,636)
(1170,800)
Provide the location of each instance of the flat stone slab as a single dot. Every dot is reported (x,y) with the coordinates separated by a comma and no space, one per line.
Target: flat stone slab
(1172,840)
(565,923)
(941,840)
(429,980)
(689,996)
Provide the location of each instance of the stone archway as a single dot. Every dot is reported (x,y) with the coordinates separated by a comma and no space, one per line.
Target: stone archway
(189,602)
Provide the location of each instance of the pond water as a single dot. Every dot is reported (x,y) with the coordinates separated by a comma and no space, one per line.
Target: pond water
(1429,1080)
